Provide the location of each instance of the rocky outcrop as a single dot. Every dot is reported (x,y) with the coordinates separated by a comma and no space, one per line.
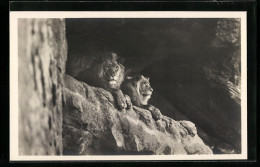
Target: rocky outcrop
(42,54)
(93,126)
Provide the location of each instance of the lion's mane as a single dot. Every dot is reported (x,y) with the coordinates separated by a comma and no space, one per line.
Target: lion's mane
(102,68)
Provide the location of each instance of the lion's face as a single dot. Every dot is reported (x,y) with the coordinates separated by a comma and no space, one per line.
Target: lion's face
(144,90)
(138,88)
(111,72)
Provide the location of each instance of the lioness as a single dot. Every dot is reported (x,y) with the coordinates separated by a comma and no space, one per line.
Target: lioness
(107,73)
(140,91)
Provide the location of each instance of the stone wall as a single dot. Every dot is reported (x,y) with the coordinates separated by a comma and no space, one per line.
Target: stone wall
(42,54)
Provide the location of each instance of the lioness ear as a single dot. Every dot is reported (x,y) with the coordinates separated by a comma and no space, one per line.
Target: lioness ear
(148,78)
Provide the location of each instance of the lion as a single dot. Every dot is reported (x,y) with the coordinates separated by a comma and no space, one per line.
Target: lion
(106,72)
(138,88)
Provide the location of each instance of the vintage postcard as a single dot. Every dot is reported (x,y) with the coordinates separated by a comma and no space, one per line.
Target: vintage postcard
(128,86)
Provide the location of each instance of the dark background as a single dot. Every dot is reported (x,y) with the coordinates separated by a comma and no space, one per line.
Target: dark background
(189,61)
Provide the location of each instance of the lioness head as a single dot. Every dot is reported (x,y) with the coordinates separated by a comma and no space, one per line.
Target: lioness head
(139,89)
(110,72)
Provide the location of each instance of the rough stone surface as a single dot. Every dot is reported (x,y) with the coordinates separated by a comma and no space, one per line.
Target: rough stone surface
(93,126)
(226,73)
(42,54)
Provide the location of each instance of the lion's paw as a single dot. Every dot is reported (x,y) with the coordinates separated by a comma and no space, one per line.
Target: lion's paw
(120,99)
(128,102)
(156,113)
(121,102)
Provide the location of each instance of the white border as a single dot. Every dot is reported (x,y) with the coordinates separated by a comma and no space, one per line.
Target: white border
(148,14)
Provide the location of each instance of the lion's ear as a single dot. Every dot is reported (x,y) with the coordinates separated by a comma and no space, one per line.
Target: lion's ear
(114,56)
(121,60)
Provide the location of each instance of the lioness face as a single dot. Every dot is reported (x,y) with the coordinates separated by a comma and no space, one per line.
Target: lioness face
(144,89)
(113,73)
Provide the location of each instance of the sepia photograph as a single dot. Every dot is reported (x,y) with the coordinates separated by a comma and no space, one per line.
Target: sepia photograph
(128,86)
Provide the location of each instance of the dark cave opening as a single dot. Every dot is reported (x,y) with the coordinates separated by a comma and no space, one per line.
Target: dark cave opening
(189,62)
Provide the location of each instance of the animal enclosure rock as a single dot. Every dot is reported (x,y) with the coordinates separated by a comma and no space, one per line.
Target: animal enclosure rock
(93,126)
(42,54)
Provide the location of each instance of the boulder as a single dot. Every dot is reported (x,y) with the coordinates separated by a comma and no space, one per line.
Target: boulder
(93,126)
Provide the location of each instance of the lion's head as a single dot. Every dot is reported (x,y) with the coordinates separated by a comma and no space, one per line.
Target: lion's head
(139,89)
(109,71)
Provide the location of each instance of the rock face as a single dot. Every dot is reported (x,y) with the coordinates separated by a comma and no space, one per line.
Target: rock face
(93,126)
(226,73)
(42,54)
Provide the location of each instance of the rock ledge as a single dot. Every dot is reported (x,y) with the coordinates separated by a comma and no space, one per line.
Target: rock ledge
(93,126)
